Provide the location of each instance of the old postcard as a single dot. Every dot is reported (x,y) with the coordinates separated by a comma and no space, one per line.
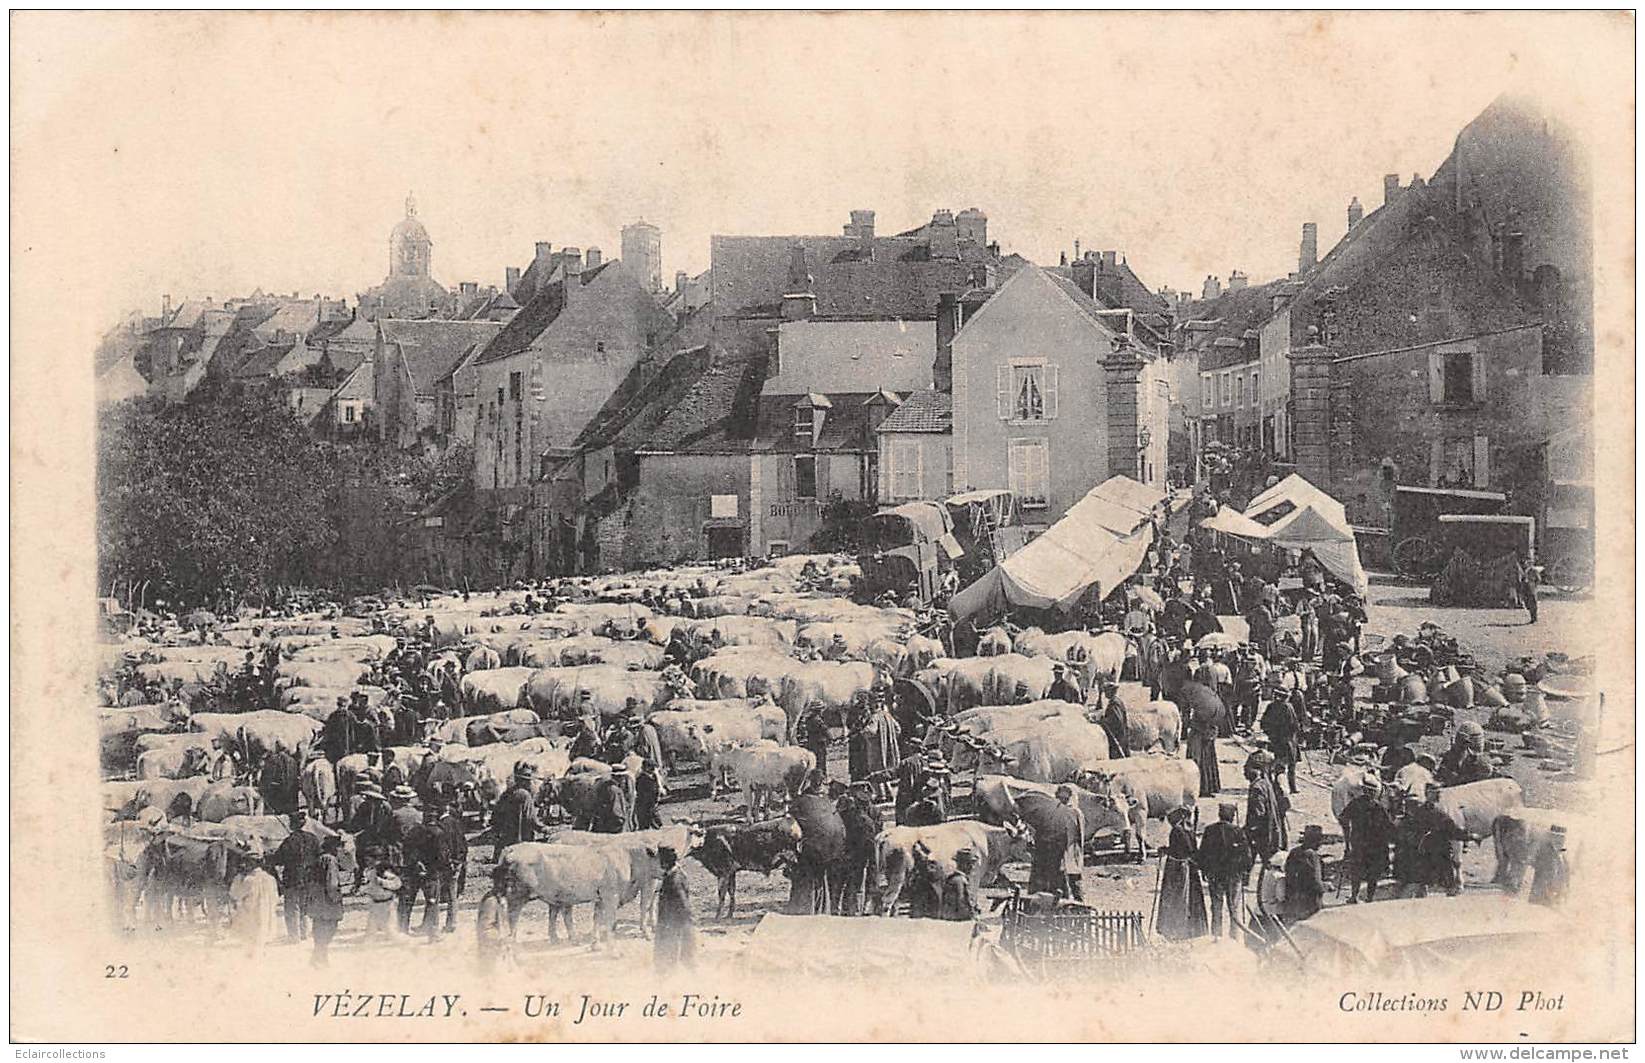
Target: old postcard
(792,526)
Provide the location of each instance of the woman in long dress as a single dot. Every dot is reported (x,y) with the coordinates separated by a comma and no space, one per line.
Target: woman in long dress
(1182,896)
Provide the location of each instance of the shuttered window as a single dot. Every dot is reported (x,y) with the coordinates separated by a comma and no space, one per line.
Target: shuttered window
(1207,390)
(1456,378)
(907,469)
(1030,471)
(1027,391)
(805,476)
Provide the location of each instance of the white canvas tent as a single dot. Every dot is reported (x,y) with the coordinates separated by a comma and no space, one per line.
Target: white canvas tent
(1100,541)
(1316,522)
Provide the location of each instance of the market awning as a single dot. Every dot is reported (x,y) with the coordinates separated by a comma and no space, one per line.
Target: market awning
(1100,542)
(1315,522)
(1231,521)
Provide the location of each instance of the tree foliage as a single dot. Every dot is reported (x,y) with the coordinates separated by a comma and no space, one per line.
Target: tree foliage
(213,502)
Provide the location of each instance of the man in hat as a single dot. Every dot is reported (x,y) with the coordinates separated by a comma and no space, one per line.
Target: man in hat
(863,823)
(910,777)
(425,871)
(676,936)
(586,743)
(957,901)
(647,789)
(837,648)
(1304,876)
(325,908)
(371,825)
(1073,860)
(278,782)
(1367,832)
(611,802)
(881,736)
(1465,761)
(1526,577)
(514,819)
(1263,826)
(1115,718)
(1428,834)
(296,859)
(404,817)
(1225,861)
(811,733)
(1063,688)
(1281,725)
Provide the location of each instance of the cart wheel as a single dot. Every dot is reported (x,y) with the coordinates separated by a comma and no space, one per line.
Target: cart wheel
(1562,573)
(1417,557)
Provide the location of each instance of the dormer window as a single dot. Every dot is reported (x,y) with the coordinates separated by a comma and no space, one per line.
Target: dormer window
(805,419)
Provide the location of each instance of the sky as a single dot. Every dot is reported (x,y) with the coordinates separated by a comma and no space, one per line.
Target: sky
(212,154)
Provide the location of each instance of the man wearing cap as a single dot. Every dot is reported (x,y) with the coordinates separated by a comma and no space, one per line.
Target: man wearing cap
(676,936)
(514,818)
(611,802)
(1367,832)
(1062,688)
(1115,718)
(372,826)
(957,901)
(1304,876)
(1225,861)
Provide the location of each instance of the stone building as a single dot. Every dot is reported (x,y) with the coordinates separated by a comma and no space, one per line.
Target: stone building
(412,368)
(408,291)
(643,251)
(1054,393)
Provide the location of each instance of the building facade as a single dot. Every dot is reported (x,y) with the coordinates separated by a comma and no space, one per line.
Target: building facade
(1050,398)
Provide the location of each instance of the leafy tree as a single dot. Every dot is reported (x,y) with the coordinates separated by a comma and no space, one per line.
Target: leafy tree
(213,502)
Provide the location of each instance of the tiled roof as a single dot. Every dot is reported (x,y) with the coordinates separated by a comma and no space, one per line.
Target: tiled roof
(357,386)
(717,412)
(262,362)
(922,411)
(432,348)
(1113,323)
(844,424)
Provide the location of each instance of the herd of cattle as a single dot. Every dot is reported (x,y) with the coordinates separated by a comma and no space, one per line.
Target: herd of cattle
(766,646)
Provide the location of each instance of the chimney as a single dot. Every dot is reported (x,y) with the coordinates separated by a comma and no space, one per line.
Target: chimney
(469,288)
(679,280)
(165,308)
(948,323)
(544,252)
(797,306)
(511,279)
(1108,259)
(595,257)
(572,259)
(1084,271)
(973,226)
(1076,249)
(1212,289)
(1308,258)
(862,225)
(1513,258)
(1355,213)
(1390,188)
(1237,280)
(944,240)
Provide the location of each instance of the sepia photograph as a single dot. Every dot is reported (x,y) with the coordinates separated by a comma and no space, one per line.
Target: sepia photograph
(784,526)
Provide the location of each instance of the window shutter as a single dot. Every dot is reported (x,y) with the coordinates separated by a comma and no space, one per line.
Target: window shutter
(1002,381)
(1050,393)
(1436,461)
(822,475)
(888,470)
(1436,377)
(919,471)
(1476,364)
(1042,471)
(1482,461)
(1014,470)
